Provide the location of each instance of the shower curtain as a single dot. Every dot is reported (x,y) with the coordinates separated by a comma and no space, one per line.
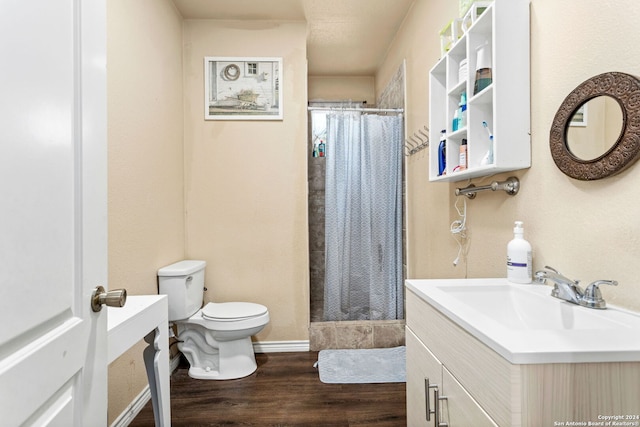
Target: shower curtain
(363,217)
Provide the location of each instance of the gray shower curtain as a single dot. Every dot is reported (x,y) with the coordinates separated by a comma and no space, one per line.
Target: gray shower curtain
(363,217)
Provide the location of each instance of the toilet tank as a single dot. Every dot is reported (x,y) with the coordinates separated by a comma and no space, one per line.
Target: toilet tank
(183,283)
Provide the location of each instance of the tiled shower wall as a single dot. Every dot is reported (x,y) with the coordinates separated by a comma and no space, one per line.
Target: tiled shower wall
(345,334)
(316,233)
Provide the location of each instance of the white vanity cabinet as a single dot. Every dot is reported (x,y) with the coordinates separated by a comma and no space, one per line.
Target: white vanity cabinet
(504,105)
(429,379)
(482,388)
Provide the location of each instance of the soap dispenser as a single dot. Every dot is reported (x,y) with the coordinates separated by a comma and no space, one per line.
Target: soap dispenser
(519,258)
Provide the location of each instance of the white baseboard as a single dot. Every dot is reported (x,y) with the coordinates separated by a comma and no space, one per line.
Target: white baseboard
(134,408)
(139,402)
(280,346)
(174,362)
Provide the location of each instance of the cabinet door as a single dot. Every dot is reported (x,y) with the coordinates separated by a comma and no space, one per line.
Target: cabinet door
(460,409)
(422,367)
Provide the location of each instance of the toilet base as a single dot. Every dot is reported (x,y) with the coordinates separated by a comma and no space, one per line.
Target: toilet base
(210,359)
(211,374)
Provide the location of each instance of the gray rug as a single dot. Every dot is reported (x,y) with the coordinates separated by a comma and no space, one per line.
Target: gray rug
(378,365)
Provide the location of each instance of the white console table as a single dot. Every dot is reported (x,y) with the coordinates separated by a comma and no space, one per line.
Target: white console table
(145,316)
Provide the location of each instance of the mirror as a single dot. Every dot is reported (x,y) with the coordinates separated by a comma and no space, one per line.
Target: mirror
(594,128)
(596,131)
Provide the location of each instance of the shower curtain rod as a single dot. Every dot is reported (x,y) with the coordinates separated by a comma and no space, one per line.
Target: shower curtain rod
(364,110)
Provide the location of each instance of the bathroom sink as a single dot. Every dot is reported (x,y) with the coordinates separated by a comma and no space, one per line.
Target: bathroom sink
(525,324)
(529,309)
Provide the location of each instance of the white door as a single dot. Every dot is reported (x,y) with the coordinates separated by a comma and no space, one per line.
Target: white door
(53,243)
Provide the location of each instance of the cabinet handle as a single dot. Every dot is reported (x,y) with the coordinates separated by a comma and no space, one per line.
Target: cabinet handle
(436,399)
(428,410)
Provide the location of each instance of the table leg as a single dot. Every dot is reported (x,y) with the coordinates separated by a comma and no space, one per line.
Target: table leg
(156,360)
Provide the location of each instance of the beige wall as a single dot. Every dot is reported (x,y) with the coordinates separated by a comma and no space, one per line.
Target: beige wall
(246,181)
(342,88)
(145,146)
(243,183)
(588,230)
(428,205)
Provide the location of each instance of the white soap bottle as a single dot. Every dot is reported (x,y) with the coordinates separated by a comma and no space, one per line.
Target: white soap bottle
(519,257)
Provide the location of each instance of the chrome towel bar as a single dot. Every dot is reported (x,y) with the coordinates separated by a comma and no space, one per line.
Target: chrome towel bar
(511,186)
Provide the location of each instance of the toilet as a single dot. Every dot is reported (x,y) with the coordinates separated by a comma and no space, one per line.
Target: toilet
(216,338)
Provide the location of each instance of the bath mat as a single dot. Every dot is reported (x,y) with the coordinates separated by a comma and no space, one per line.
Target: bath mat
(377,365)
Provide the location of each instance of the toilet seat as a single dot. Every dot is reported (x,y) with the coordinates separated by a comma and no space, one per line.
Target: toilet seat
(232,311)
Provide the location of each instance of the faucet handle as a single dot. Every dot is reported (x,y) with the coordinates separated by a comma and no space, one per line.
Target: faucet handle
(593,297)
(575,281)
(540,275)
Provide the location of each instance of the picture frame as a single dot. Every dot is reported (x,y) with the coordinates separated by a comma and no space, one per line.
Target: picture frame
(579,119)
(243,88)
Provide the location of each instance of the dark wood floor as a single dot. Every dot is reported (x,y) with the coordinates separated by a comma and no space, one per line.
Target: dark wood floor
(284,391)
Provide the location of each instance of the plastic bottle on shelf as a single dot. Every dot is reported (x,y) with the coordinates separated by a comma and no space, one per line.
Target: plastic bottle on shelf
(484,76)
(455,124)
(463,155)
(462,122)
(442,153)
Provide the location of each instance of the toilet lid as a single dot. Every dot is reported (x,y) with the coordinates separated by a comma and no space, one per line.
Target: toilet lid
(231,311)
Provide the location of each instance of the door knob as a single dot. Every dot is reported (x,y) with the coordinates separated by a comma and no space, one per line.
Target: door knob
(115,298)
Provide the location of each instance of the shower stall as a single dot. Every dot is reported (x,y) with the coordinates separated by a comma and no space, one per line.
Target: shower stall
(355,227)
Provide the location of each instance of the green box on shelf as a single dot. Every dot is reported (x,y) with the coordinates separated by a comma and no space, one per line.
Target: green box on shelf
(464,6)
(450,35)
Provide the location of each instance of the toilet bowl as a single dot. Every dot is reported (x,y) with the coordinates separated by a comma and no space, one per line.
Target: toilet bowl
(220,348)
(215,339)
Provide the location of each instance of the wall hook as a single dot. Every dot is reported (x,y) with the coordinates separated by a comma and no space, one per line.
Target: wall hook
(420,143)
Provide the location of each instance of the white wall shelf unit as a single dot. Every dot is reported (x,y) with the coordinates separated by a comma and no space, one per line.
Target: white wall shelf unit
(504,105)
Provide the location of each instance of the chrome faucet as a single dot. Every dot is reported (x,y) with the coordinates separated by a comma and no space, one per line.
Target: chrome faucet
(570,290)
(563,288)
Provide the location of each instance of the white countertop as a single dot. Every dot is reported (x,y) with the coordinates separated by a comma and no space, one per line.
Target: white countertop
(127,325)
(526,325)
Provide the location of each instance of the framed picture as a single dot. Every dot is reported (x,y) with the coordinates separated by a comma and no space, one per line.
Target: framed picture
(580,117)
(241,88)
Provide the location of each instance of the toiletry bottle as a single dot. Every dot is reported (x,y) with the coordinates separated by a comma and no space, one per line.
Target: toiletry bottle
(442,153)
(316,146)
(462,120)
(519,257)
(455,124)
(463,155)
(483,68)
(321,149)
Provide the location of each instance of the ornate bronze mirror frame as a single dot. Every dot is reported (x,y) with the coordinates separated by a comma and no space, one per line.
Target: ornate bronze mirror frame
(625,89)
